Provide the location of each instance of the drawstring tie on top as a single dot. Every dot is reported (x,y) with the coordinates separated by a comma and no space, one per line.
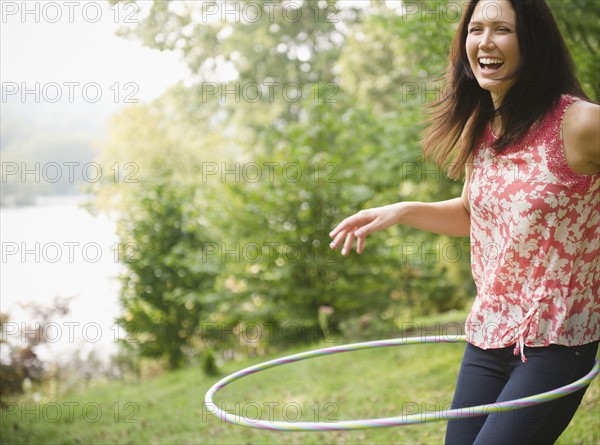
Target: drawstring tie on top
(522,330)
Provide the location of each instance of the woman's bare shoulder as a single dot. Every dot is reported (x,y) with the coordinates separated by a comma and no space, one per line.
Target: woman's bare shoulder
(581,137)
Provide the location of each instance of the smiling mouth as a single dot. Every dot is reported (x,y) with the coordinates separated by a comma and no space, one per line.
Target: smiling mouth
(490,64)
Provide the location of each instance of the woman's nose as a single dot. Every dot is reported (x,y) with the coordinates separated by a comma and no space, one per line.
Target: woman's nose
(487,40)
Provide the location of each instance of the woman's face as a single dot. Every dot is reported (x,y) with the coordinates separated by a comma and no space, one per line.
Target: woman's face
(492,46)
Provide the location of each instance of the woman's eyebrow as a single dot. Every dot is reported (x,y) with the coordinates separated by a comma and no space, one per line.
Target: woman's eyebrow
(498,22)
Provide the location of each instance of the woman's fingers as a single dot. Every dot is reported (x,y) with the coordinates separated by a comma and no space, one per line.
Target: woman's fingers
(360,244)
(362,232)
(338,238)
(347,237)
(349,223)
(335,230)
(360,225)
(348,243)
(356,226)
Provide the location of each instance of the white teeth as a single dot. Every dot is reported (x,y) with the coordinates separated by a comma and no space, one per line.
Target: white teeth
(489,60)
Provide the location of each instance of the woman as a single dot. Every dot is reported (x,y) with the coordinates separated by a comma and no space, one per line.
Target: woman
(518,124)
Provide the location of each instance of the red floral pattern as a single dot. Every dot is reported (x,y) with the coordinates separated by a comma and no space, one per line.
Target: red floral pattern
(535,243)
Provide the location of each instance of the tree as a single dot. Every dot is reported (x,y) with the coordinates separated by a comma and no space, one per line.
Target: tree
(162,208)
(169,282)
(579,20)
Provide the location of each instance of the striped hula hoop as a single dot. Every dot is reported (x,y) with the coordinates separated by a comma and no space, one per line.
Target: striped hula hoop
(384,422)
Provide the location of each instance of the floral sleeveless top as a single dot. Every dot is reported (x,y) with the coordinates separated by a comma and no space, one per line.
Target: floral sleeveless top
(535,243)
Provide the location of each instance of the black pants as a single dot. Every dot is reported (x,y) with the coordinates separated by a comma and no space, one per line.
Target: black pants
(496,375)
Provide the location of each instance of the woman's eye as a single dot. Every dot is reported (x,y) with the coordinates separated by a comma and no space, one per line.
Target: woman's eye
(474,29)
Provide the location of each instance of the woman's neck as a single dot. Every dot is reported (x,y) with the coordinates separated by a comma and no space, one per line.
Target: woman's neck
(496,125)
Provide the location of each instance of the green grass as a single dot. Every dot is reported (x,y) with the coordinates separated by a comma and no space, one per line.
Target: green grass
(169,409)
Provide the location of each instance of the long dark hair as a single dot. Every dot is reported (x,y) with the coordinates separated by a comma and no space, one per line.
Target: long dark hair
(545,71)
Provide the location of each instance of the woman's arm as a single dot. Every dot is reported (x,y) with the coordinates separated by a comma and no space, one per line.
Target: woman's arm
(446,217)
(581,137)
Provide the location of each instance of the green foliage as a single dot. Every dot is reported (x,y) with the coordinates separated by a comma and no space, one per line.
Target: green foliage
(209,363)
(20,362)
(579,21)
(169,281)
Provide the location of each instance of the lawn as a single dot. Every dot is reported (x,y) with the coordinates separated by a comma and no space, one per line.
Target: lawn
(169,409)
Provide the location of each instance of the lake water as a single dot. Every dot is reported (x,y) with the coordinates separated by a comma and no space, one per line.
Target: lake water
(58,249)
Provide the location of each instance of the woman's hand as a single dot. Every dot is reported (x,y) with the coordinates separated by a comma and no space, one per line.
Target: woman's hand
(361,224)
(451,217)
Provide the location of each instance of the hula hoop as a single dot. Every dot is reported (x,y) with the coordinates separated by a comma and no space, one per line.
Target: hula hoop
(383,422)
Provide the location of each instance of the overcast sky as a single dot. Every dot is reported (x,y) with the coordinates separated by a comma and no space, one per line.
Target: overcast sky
(74,42)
